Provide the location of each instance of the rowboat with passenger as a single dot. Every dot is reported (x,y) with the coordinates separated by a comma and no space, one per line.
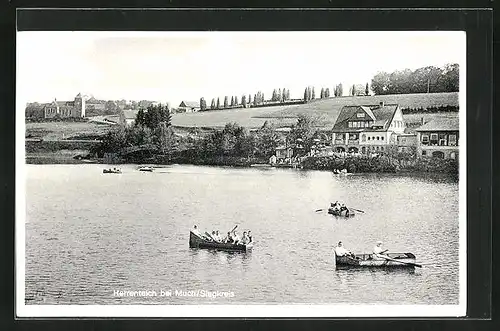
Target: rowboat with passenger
(198,242)
(388,260)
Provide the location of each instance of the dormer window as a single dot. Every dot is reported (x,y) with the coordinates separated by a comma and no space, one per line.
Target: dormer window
(360,115)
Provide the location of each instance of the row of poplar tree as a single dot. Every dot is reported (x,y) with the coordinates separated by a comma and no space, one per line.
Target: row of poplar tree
(338,91)
(280,95)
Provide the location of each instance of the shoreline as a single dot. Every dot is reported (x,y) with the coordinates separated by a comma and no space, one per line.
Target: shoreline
(58,158)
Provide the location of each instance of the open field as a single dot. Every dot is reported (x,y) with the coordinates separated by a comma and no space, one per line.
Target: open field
(64,130)
(325,111)
(247,117)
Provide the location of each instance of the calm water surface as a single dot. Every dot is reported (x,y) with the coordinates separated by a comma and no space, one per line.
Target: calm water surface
(89,234)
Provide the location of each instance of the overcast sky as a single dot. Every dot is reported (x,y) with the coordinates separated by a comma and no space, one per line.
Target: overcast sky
(175,66)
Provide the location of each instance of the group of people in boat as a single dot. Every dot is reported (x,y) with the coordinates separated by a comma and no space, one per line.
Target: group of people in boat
(232,237)
(338,172)
(378,251)
(339,208)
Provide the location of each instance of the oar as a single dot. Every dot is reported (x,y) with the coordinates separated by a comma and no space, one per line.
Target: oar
(234,228)
(357,210)
(319,210)
(391,259)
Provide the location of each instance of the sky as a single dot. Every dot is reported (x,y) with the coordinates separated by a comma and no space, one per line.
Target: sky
(175,66)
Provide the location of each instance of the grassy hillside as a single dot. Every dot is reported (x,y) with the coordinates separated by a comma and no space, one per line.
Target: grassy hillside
(64,130)
(324,110)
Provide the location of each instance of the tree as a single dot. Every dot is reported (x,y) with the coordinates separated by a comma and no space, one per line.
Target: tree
(313,96)
(288,94)
(322,93)
(353,90)
(341,90)
(249,99)
(244,101)
(306,97)
(381,83)
(327,92)
(367,89)
(266,140)
(164,138)
(212,106)
(255,100)
(203,104)
(218,103)
(273,98)
(301,134)
(235,100)
(232,101)
(225,101)
(278,95)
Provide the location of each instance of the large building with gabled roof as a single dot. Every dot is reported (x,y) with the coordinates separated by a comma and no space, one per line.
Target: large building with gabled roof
(66,109)
(367,128)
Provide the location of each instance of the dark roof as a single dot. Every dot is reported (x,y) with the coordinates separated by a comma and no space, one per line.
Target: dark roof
(380,115)
(191,104)
(441,124)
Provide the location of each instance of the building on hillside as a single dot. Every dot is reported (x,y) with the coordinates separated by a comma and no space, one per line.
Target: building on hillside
(407,142)
(127,117)
(188,107)
(66,109)
(439,138)
(367,129)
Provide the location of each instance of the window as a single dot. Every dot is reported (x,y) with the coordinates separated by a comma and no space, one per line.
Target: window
(381,148)
(442,139)
(403,139)
(369,138)
(363,137)
(378,138)
(350,124)
(453,155)
(382,138)
(452,140)
(424,153)
(360,115)
(434,139)
(425,139)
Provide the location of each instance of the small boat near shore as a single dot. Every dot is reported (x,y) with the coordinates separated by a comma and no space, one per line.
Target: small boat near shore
(343,213)
(147,169)
(111,171)
(197,242)
(392,260)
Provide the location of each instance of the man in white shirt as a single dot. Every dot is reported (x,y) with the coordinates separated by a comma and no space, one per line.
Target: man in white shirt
(341,251)
(378,250)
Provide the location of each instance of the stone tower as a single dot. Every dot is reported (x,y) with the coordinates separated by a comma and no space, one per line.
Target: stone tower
(80,104)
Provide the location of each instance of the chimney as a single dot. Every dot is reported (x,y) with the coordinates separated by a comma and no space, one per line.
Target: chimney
(422,121)
(381,104)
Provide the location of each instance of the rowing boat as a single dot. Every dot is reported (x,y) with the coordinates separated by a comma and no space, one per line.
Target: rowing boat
(343,213)
(148,169)
(397,260)
(111,171)
(198,242)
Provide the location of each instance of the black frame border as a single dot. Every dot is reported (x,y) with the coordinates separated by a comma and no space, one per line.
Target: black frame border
(478,23)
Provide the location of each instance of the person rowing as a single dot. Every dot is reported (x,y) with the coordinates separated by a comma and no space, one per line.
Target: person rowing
(378,251)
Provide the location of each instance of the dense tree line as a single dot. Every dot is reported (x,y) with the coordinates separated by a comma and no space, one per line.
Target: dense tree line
(151,127)
(422,80)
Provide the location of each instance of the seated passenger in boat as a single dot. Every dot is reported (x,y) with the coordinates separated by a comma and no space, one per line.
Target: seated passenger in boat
(229,238)
(249,237)
(214,236)
(236,238)
(196,231)
(341,251)
(244,240)
(378,250)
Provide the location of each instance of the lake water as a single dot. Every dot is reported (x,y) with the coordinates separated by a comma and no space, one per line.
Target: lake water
(89,234)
